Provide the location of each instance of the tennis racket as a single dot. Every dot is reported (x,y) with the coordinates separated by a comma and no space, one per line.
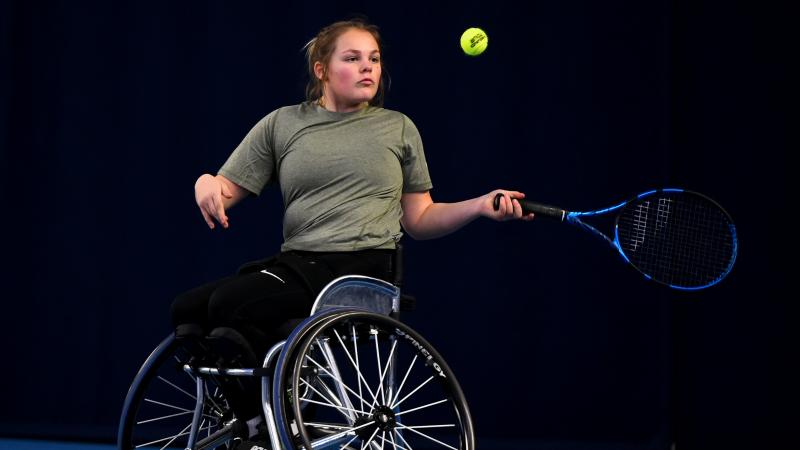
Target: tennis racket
(679,238)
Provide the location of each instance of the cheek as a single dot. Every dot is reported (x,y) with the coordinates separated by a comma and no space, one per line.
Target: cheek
(345,76)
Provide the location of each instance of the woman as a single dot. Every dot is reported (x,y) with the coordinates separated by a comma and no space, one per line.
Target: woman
(350,172)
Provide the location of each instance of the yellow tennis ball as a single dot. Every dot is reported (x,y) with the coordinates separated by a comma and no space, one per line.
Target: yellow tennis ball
(474,41)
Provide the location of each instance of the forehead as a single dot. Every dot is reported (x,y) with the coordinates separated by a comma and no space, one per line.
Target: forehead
(355,39)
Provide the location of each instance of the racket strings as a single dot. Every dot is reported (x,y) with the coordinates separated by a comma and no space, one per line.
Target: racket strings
(682,240)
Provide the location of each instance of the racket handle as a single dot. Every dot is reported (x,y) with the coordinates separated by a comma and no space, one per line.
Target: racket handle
(538,209)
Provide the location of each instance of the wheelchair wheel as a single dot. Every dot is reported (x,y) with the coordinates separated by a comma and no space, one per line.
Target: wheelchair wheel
(362,380)
(159,407)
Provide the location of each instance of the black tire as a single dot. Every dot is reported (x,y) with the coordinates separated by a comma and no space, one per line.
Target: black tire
(160,403)
(425,408)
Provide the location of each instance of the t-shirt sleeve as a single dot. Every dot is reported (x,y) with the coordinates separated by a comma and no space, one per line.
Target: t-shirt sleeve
(252,163)
(415,169)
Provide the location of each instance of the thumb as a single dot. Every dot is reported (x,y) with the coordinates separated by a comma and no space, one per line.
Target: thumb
(225,191)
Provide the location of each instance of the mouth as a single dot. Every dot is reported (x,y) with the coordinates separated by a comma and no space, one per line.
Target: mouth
(366,82)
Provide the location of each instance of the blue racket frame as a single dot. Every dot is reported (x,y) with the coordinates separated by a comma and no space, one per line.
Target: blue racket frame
(574,218)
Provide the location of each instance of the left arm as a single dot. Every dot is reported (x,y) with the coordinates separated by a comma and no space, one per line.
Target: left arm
(424,219)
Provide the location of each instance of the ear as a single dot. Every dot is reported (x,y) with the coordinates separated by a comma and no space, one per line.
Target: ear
(319,71)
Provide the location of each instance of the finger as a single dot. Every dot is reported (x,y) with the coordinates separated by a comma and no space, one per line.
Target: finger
(223,218)
(517,209)
(207,218)
(218,212)
(510,209)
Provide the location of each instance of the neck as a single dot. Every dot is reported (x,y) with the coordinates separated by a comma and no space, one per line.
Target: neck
(334,106)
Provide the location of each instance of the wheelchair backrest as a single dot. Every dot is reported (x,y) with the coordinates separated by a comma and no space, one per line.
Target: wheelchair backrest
(359,291)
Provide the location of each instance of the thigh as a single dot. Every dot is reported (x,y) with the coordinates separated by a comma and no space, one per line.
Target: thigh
(265,299)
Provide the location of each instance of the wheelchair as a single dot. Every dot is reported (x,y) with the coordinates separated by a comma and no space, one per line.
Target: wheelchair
(350,376)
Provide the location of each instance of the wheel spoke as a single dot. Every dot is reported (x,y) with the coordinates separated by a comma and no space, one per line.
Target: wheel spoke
(393,443)
(385,369)
(214,405)
(171,439)
(358,370)
(341,383)
(408,372)
(402,439)
(168,405)
(346,432)
(156,419)
(331,397)
(373,435)
(199,429)
(355,436)
(415,427)
(331,404)
(412,393)
(420,407)
(341,395)
(426,436)
(327,425)
(176,387)
(356,365)
(374,332)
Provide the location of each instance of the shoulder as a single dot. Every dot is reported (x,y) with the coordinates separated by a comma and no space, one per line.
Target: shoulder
(389,114)
(299,109)
(395,119)
(409,128)
(283,116)
(290,111)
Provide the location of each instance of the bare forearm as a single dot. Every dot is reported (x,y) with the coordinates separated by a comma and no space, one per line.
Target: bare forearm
(440,219)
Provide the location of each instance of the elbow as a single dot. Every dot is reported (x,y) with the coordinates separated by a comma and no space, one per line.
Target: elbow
(413,231)
(409,230)
(417,234)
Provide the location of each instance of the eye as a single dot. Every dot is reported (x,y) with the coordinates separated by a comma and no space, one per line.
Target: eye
(376,59)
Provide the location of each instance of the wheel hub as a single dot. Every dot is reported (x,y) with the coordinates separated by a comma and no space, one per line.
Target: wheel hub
(382,418)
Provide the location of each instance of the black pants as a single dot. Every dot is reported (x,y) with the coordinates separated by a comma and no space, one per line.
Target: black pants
(262,299)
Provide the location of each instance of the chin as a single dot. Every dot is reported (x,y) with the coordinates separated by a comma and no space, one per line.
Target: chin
(363,100)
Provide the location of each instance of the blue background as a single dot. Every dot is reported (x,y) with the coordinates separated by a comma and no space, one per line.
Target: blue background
(111,110)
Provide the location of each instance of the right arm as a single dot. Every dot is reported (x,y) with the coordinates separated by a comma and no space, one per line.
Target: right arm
(216,194)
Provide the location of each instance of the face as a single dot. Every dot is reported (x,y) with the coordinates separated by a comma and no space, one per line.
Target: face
(354,71)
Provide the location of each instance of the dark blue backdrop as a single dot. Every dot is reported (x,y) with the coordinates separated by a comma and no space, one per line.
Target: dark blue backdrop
(110,111)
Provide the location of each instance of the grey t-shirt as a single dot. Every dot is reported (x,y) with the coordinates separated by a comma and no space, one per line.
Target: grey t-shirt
(341,174)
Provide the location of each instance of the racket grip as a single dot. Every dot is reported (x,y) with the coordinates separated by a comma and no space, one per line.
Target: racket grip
(538,209)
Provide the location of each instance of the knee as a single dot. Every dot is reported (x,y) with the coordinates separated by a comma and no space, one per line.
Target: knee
(186,308)
(221,309)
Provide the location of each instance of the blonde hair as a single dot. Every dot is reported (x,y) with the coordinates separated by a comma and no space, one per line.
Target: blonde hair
(321,47)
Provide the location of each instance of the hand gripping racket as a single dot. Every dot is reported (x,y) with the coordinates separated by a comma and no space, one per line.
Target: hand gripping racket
(679,238)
